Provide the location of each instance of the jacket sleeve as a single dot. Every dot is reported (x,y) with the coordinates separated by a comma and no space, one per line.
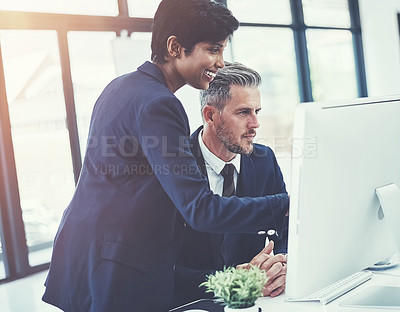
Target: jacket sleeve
(164,139)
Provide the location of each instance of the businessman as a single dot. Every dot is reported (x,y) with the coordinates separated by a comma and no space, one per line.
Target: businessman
(234,165)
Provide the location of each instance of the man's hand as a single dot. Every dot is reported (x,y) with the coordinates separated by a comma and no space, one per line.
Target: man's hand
(275,268)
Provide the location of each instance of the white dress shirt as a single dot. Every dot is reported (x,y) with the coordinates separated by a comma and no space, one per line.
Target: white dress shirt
(214,166)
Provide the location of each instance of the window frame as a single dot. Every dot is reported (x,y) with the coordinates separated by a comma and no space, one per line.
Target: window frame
(299,29)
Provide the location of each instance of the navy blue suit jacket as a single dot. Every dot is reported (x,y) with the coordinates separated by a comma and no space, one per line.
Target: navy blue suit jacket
(203,253)
(118,240)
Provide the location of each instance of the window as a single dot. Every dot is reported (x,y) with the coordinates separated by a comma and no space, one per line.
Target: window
(87,7)
(330,13)
(139,8)
(332,64)
(39,134)
(92,68)
(261,11)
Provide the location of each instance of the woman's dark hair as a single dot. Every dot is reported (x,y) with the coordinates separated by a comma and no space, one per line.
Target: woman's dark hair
(191,21)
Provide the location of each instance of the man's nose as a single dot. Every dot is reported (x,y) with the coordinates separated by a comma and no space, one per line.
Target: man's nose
(253,123)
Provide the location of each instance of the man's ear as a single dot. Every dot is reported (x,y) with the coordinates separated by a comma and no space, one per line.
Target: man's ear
(208,114)
(174,47)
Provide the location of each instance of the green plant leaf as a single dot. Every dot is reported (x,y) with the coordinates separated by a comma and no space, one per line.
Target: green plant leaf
(238,288)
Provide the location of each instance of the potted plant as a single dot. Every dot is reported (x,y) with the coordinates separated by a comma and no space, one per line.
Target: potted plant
(237,288)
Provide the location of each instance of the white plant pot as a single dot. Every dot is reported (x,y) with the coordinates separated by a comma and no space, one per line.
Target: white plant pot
(254,308)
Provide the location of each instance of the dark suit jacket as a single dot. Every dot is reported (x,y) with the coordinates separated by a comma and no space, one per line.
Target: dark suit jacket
(203,253)
(118,240)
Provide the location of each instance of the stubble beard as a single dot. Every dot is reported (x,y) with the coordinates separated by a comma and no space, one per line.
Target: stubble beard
(228,139)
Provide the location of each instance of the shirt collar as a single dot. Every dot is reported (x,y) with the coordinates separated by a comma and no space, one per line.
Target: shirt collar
(213,161)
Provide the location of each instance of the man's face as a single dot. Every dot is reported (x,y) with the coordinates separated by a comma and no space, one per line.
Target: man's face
(236,127)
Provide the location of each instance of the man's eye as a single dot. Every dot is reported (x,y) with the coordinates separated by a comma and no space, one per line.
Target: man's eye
(214,50)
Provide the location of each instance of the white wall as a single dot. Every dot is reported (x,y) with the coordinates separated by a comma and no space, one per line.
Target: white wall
(381,42)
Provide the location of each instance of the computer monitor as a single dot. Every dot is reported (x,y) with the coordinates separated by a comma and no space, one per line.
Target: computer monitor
(342,152)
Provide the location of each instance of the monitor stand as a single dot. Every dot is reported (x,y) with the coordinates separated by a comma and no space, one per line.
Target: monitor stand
(382,297)
(389,198)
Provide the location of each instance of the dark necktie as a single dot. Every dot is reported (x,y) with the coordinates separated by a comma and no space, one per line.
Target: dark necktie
(217,239)
(229,185)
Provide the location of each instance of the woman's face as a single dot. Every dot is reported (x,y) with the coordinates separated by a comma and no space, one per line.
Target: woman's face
(199,68)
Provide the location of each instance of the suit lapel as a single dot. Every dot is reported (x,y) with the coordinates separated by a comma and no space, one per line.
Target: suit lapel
(246,184)
(196,151)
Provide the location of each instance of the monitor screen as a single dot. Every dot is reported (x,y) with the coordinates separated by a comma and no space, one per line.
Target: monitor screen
(342,152)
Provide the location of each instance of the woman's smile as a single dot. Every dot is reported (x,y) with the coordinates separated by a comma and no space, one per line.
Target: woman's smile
(211,75)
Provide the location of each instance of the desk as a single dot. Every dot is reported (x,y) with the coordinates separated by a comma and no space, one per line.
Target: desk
(390,277)
(278,303)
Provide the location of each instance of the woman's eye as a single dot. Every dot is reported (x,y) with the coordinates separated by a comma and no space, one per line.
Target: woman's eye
(214,50)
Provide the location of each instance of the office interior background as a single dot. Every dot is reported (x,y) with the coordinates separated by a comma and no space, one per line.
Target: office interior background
(57,56)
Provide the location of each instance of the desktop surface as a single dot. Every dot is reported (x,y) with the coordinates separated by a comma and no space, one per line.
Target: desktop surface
(389,277)
(279,303)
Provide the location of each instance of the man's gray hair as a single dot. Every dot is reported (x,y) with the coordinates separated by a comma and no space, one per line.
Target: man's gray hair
(232,74)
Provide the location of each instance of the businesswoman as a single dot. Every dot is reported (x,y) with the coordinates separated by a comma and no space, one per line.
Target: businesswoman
(118,240)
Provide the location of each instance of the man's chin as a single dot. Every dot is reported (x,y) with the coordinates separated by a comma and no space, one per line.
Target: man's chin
(249,148)
(247,151)
(243,149)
